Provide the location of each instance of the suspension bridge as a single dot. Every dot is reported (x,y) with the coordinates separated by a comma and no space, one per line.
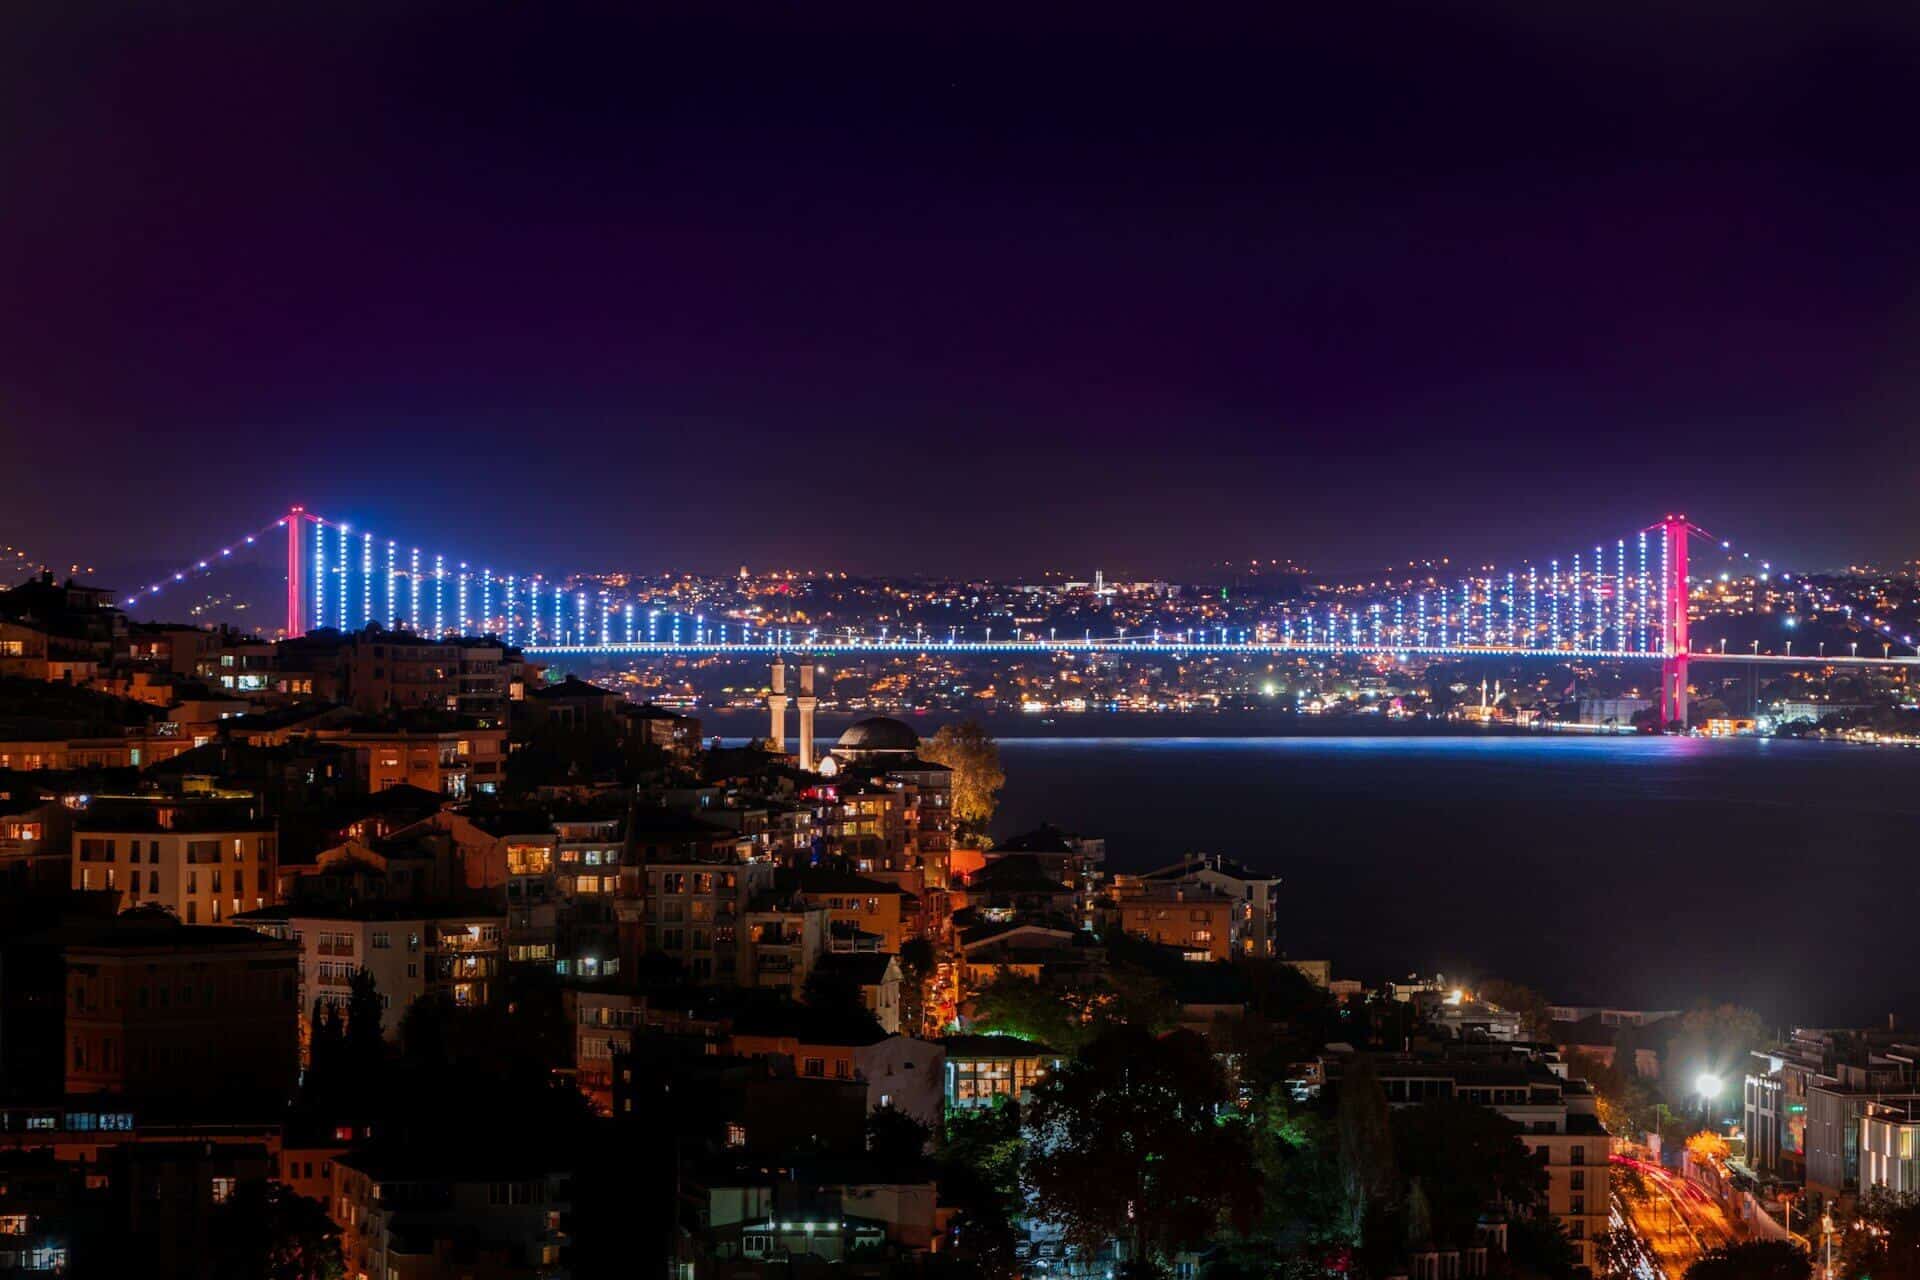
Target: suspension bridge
(1627,601)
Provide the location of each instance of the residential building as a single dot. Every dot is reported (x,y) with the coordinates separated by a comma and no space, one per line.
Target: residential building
(1255,897)
(411,949)
(142,1006)
(784,942)
(36,843)
(425,1212)
(1557,1117)
(1199,921)
(457,759)
(694,910)
(983,1069)
(204,860)
(871,905)
(899,1071)
(875,975)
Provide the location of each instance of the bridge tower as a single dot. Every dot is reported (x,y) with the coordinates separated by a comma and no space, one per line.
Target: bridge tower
(1673,622)
(296,518)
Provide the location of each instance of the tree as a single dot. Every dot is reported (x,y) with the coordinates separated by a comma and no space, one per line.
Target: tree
(1465,1157)
(1363,1135)
(1536,1014)
(1019,1006)
(1753,1260)
(894,1137)
(1537,1245)
(917,963)
(980,1177)
(1304,1208)
(1626,1101)
(1883,1238)
(1133,1141)
(365,1043)
(834,993)
(1708,1147)
(268,1232)
(1136,996)
(974,757)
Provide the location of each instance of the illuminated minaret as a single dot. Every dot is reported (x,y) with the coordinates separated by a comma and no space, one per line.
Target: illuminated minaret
(777,704)
(807,702)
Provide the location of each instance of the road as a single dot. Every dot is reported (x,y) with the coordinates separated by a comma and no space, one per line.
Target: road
(1676,1220)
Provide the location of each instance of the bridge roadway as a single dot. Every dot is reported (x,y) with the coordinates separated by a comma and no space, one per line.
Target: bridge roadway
(876,647)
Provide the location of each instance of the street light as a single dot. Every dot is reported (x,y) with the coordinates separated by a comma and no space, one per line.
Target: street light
(1708,1086)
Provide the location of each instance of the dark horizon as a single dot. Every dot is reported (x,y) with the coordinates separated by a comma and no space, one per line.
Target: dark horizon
(981,294)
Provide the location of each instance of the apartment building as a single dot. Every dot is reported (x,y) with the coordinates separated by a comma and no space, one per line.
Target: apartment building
(205,860)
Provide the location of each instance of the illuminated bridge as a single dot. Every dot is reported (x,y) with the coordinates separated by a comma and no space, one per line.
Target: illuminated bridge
(1616,602)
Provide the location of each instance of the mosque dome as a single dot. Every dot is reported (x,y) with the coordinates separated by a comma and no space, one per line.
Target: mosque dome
(875,736)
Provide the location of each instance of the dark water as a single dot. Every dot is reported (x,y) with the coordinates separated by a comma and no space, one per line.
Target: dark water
(1632,871)
(1649,872)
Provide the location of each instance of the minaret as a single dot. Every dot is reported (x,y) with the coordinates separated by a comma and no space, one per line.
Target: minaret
(777,704)
(807,703)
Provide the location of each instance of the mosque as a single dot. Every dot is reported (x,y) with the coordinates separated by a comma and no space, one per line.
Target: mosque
(875,743)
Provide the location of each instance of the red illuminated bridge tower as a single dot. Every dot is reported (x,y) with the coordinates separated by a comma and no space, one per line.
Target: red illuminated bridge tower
(295,522)
(1673,619)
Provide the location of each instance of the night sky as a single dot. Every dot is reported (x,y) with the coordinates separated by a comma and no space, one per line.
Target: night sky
(972,290)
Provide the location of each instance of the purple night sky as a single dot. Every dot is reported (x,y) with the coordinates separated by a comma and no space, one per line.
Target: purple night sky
(959,288)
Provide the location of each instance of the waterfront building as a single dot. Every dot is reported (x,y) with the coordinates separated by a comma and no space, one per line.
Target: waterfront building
(1198,921)
(1255,896)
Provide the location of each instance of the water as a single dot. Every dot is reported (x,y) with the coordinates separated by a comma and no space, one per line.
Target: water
(1633,871)
(1642,872)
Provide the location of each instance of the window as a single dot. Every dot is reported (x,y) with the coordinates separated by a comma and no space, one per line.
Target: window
(842,1069)
(1579,1180)
(1577,1155)
(382,939)
(736,1134)
(814,1067)
(756,1245)
(222,1190)
(1579,1205)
